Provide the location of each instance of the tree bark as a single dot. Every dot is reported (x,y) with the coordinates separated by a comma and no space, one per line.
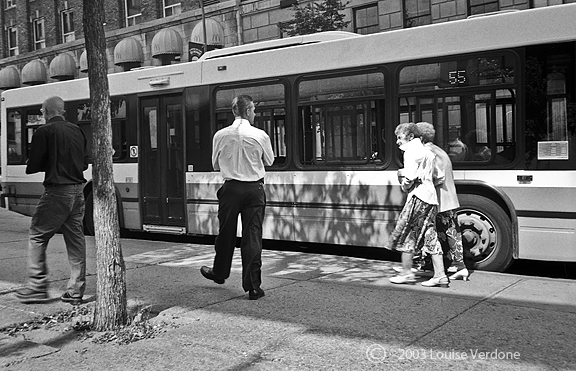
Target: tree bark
(110,311)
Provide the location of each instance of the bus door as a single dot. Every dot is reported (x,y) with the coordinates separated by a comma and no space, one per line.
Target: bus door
(162,164)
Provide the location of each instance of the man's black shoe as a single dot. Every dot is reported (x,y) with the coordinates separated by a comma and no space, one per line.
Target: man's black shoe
(28,295)
(66,298)
(208,273)
(255,294)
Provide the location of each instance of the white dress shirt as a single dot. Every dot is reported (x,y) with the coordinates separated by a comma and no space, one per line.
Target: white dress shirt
(240,151)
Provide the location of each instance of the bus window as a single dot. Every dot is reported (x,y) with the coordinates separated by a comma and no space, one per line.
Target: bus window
(34,119)
(472,128)
(550,106)
(270,101)
(476,126)
(83,112)
(340,118)
(87,129)
(466,72)
(14,137)
(118,115)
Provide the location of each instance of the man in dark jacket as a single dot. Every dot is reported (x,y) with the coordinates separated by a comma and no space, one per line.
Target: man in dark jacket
(58,149)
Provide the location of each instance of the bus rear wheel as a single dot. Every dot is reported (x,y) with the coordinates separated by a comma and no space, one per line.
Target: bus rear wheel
(486,233)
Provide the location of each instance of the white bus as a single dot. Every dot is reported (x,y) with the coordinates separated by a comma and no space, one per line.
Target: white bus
(499,89)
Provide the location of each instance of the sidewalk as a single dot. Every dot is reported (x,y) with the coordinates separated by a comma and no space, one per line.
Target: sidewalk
(320,312)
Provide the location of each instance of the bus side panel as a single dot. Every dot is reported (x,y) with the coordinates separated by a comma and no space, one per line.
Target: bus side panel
(547,239)
(21,191)
(346,208)
(201,189)
(126,182)
(202,204)
(279,216)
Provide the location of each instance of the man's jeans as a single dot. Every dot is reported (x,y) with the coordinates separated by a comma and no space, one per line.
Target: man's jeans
(61,207)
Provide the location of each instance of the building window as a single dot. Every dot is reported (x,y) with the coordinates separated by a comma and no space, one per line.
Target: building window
(68,26)
(12,41)
(482,6)
(543,3)
(366,19)
(172,7)
(38,33)
(9,4)
(417,13)
(133,12)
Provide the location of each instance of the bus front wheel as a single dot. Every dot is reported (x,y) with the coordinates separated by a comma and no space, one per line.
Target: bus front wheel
(486,233)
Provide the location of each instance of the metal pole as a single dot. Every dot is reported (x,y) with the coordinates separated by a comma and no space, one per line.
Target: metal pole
(205,49)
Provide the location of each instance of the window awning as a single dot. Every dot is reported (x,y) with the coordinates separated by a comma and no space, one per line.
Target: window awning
(166,42)
(34,73)
(128,50)
(63,67)
(9,78)
(214,33)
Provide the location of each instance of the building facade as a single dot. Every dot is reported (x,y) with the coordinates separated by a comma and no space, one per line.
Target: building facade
(43,40)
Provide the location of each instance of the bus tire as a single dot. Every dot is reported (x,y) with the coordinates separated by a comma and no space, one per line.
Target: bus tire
(486,233)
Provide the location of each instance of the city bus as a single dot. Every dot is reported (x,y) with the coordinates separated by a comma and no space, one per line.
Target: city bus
(499,89)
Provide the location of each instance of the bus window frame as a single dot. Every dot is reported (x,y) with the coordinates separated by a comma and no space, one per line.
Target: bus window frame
(214,111)
(382,115)
(119,124)
(516,56)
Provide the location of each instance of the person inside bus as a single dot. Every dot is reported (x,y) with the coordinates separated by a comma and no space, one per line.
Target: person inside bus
(447,225)
(457,150)
(240,152)
(478,152)
(58,149)
(415,230)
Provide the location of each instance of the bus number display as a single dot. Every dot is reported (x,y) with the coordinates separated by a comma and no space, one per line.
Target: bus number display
(457,77)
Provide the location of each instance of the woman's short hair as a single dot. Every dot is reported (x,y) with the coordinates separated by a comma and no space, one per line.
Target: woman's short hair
(407,128)
(427,131)
(240,104)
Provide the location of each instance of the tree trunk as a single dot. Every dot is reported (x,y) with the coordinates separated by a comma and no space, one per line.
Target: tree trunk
(110,311)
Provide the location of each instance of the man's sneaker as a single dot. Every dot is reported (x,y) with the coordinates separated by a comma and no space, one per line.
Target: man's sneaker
(66,298)
(28,295)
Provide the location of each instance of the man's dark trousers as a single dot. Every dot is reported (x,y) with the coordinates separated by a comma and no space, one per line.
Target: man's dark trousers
(247,199)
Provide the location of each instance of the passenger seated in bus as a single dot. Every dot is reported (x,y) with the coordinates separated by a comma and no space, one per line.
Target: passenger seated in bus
(13,155)
(478,152)
(456,149)
(415,231)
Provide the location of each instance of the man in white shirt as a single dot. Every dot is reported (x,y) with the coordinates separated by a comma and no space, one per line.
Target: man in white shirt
(240,152)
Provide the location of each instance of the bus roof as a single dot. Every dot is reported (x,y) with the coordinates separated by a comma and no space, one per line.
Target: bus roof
(279,43)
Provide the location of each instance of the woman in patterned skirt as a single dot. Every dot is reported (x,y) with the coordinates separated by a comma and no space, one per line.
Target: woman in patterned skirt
(415,231)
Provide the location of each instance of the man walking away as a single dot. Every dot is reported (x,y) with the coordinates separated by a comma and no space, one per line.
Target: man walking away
(240,152)
(58,149)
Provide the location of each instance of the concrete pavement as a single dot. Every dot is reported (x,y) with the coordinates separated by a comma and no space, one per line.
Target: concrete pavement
(320,312)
